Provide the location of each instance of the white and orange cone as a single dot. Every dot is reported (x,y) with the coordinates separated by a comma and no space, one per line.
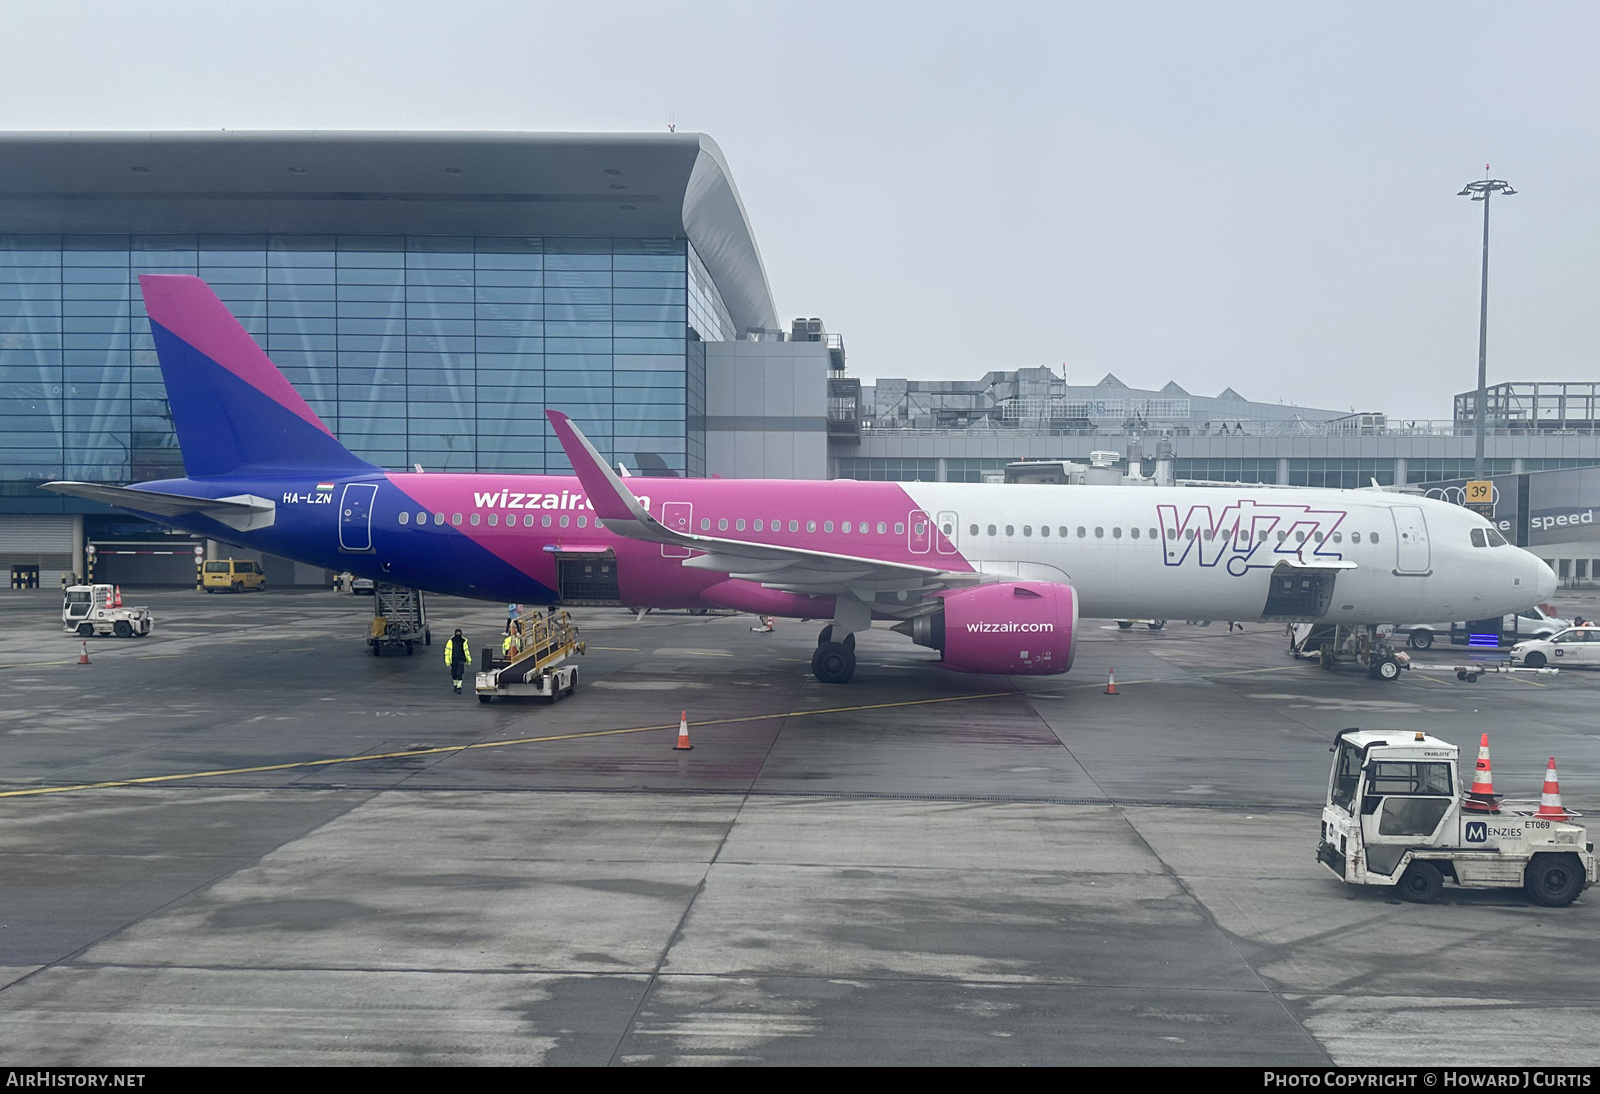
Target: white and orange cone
(1482,798)
(1550,807)
(1111,681)
(118,602)
(83,658)
(683,744)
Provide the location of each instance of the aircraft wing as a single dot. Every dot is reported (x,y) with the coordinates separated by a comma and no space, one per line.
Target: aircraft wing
(244,512)
(789,569)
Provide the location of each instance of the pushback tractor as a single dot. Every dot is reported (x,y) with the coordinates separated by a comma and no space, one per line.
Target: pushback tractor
(531,663)
(1396,815)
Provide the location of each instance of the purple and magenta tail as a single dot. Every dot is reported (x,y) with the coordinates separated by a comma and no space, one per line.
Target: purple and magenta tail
(234,412)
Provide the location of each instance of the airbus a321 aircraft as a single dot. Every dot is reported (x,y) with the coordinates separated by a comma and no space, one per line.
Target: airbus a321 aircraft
(993,577)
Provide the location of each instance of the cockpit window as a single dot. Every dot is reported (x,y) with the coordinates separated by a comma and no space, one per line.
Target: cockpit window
(1495,538)
(1477,538)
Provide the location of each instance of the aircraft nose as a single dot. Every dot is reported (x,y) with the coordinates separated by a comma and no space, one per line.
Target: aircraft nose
(1544,579)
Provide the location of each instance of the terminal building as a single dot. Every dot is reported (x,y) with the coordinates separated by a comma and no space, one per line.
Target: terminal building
(429,294)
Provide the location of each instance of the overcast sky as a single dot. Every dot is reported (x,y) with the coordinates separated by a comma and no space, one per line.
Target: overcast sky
(1259,196)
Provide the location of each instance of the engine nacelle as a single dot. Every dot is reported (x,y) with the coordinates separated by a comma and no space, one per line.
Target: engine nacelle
(1023,628)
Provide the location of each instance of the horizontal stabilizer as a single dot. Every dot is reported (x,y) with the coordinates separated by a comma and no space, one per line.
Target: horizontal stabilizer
(241,512)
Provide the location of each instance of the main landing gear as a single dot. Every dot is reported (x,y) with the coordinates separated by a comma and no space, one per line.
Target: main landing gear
(834,662)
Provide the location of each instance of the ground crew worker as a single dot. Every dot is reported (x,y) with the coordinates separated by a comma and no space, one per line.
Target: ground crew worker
(509,646)
(457,656)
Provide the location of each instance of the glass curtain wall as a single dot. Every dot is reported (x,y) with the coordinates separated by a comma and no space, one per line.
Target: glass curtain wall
(431,350)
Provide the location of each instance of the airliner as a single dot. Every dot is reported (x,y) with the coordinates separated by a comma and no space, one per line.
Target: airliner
(994,577)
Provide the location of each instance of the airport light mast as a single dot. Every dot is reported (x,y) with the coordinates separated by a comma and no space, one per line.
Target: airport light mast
(1482,190)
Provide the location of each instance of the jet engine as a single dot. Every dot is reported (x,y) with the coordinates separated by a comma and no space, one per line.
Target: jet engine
(1024,628)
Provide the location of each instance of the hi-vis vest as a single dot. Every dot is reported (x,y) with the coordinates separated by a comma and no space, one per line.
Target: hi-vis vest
(449,652)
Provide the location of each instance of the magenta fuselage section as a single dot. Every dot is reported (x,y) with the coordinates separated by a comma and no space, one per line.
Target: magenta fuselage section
(531,522)
(1024,628)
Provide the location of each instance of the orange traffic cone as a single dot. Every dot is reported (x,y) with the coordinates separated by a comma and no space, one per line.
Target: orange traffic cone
(83,658)
(1111,681)
(683,744)
(1550,801)
(118,602)
(1482,798)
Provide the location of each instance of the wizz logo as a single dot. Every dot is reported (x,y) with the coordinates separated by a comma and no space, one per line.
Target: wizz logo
(1246,536)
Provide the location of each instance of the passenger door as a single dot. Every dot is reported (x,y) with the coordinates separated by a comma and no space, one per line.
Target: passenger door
(950,532)
(1412,553)
(355,516)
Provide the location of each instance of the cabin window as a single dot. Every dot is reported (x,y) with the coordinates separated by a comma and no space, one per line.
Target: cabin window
(1355,537)
(1209,534)
(1317,536)
(899,528)
(1062,531)
(1027,529)
(455,518)
(527,521)
(1373,537)
(1172,533)
(1262,537)
(474,519)
(546,520)
(758,526)
(1011,529)
(1116,533)
(1282,536)
(494,520)
(739,524)
(827,526)
(970,531)
(722,524)
(405,518)
(1099,533)
(1044,529)
(438,518)
(422,518)
(794,526)
(583,522)
(1153,534)
(1338,537)
(949,528)
(1299,537)
(1134,532)
(565,520)
(811,526)
(1082,531)
(1188,533)
(882,528)
(705,524)
(1497,540)
(993,530)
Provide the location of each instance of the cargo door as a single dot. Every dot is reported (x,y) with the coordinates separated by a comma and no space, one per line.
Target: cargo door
(677,516)
(1412,554)
(355,516)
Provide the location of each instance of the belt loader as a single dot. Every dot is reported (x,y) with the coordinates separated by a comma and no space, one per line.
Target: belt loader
(531,664)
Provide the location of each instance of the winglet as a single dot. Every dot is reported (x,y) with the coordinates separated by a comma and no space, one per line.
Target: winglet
(611,500)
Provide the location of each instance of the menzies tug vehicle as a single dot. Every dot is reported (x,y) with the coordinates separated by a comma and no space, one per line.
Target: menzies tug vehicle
(994,577)
(1395,816)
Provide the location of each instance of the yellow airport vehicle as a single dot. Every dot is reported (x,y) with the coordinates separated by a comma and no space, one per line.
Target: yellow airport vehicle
(531,662)
(234,574)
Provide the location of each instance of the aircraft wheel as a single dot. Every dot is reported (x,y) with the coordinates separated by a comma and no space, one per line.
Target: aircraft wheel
(1421,884)
(1420,640)
(833,663)
(1553,880)
(1534,660)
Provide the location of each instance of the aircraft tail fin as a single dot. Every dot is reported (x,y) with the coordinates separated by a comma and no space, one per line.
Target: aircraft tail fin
(233,411)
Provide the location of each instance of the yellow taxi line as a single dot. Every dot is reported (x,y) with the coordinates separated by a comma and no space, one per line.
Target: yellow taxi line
(413,752)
